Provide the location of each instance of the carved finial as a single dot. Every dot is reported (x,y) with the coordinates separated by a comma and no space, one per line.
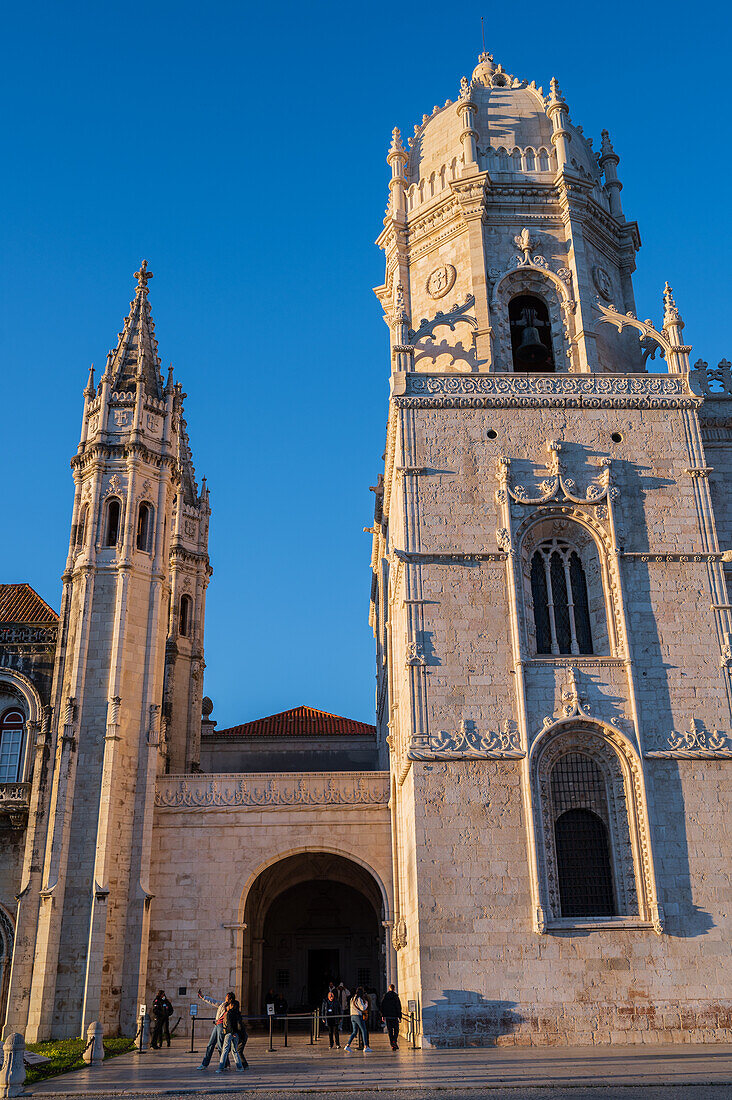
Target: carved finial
(554,89)
(143,276)
(671,315)
(89,391)
(396,141)
(464,87)
(607,146)
(524,242)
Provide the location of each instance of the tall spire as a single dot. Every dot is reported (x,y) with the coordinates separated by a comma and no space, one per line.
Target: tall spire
(137,349)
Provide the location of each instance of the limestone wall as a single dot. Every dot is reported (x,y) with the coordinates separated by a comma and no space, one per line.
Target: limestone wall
(213,836)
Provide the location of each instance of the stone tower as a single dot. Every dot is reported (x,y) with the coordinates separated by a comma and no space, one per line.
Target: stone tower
(126,697)
(548,598)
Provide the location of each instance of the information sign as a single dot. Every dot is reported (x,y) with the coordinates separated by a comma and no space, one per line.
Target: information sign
(194,1010)
(270,1010)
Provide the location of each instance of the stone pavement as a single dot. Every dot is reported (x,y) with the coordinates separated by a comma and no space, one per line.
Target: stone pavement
(602,1073)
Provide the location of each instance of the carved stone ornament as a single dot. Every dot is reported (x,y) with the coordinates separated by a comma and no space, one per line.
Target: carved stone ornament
(115,483)
(284,789)
(588,391)
(695,744)
(122,417)
(399,934)
(603,282)
(415,654)
(556,486)
(441,281)
(468,744)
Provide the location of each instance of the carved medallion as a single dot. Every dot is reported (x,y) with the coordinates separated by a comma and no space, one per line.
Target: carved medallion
(603,282)
(441,281)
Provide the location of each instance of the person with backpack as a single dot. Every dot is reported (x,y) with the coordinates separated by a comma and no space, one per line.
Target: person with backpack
(235,1037)
(332,1016)
(359,1006)
(391,1010)
(162,1010)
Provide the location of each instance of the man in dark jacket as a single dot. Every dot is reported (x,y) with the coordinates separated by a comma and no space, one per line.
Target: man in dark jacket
(162,1010)
(391,1010)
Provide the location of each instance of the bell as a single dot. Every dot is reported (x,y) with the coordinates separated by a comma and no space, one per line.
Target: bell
(531,350)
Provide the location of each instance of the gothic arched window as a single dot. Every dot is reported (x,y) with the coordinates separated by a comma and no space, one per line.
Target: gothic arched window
(186,614)
(531,334)
(144,526)
(111,526)
(580,809)
(12,726)
(559,596)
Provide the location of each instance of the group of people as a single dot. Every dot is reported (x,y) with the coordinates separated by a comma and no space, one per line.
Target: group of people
(340,1005)
(228,1034)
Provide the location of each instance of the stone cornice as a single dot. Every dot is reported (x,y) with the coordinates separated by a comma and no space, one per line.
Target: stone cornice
(593,391)
(255,790)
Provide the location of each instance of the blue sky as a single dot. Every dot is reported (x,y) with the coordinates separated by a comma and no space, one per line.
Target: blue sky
(240,148)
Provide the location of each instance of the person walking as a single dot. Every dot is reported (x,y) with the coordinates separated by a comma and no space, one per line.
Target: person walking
(332,1014)
(359,1005)
(344,997)
(233,1030)
(391,1010)
(217,1032)
(162,1011)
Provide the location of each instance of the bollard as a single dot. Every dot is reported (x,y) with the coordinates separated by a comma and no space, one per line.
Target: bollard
(12,1075)
(193,1032)
(286,1019)
(271,1025)
(94,1053)
(312,1028)
(145,1033)
(413,1026)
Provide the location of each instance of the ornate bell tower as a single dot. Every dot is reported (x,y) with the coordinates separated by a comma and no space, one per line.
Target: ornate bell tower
(127,696)
(544,527)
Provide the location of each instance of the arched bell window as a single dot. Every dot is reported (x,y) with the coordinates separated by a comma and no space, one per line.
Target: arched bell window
(185,616)
(531,334)
(112,522)
(559,596)
(12,726)
(144,526)
(581,837)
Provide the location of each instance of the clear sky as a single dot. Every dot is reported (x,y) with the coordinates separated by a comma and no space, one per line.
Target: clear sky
(240,148)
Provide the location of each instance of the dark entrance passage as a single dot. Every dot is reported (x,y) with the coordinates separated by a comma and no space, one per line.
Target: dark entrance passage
(311,919)
(323,967)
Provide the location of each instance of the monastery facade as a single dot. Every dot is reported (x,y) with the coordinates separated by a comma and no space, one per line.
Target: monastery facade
(533,841)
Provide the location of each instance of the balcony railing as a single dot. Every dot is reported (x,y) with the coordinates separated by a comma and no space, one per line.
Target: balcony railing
(14,803)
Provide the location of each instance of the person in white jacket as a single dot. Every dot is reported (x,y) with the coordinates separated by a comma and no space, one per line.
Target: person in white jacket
(359,1005)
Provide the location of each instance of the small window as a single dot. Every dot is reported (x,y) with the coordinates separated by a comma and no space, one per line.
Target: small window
(12,726)
(81,527)
(186,612)
(363,976)
(531,334)
(282,979)
(111,530)
(144,527)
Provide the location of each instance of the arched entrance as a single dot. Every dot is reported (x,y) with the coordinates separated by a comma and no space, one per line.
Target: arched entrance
(311,917)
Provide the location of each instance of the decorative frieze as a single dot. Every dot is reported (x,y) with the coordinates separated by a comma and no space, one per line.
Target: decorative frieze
(510,390)
(204,792)
(17,634)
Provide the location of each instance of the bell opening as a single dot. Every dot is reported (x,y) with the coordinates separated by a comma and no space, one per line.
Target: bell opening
(531,334)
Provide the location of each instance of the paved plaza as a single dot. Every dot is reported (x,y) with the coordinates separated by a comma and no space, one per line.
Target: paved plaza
(651,1072)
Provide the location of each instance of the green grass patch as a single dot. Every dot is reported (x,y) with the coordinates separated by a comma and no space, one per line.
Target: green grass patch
(66,1055)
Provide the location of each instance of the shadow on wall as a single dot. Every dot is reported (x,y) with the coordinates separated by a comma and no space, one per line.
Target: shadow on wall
(673,874)
(464,1018)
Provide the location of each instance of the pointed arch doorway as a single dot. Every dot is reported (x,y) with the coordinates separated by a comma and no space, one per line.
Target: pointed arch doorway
(312,917)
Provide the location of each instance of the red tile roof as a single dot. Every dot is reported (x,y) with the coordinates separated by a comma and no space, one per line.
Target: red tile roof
(299,722)
(19,603)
